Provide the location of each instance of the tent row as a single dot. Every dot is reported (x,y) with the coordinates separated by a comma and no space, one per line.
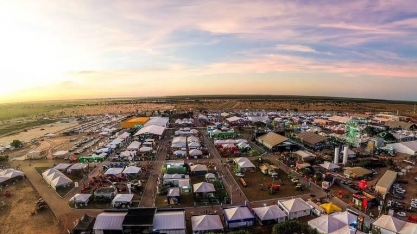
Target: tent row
(127,170)
(56,179)
(9,175)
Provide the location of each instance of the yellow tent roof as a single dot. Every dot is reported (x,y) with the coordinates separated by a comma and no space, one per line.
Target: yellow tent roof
(330,207)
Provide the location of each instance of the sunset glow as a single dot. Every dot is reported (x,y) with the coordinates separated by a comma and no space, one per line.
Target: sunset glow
(94,49)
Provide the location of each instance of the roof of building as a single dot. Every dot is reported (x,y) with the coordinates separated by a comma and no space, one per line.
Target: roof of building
(139,217)
(358,171)
(151,129)
(109,221)
(295,205)
(271,139)
(387,179)
(141,120)
(169,220)
(400,124)
(311,137)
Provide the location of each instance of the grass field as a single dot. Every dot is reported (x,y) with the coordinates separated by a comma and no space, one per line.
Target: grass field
(21,126)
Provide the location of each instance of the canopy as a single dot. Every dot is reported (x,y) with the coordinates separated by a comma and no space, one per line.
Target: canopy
(11,173)
(151,129)
(113,171)
(409,228)
(269,212)
(60,181)
(210,176)
(326,224)
(52,177)
(238,213)
(145,149)
(390,223)
(203,187)
(192,139)
(228,146)
(60,153)
(195,152)
(198,167)
(194,144)
(346,217)
(219,142)
(122,198)
(62,166)
(180,152)
(80,198)
(331,207)
(173,192)
(131,170)
(329,166)
(134,145)
(78,166)
(206,223)
(295,205)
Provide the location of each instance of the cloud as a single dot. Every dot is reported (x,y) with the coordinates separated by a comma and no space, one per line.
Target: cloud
(296,48)
(129,43)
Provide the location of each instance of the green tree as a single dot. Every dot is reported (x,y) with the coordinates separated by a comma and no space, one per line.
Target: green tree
(16,143)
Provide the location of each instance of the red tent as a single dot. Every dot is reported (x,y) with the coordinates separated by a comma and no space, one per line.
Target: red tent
(363,184)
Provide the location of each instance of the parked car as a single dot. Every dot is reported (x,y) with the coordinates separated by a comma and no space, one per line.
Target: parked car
(240,175)
(401,214)
(398,196)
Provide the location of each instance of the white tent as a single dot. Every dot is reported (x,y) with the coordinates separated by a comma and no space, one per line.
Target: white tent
(173,192)
(295,208)
(131,170)
(347,230)
(198,167)
(113,171)
(203,187)
(194,131)
(210,176)
(243,145)
(238,216)
(409,228)
(192,139)
(206,223)
(246,164)
(389,223)
(109,221)
(77,166)
(151,129)
(346,217)
(56,178)
(195,152)
(170,221)
(219,142)
(270,213)
(80,198)
(241,141)
(194,145)
(60,153)
(62,166)
(11,173)
(329,166)
(180,153)
(127,154)
(145,149)
(122,198)
(135,145)
(326,224)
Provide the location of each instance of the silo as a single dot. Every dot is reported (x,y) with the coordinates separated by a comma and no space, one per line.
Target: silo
(345,155)
(336,155)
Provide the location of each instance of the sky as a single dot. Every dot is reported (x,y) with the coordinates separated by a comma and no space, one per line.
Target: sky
(54,50)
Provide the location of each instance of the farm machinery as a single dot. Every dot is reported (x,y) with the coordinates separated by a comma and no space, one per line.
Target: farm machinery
(40,206)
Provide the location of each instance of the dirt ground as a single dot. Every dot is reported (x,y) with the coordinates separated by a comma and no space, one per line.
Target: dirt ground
(16,214)
(36,132)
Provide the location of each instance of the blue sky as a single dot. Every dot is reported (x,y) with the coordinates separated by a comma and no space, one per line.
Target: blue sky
(89,49)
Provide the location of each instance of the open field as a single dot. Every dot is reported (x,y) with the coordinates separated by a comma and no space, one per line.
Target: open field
(36,132)
(17,212)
